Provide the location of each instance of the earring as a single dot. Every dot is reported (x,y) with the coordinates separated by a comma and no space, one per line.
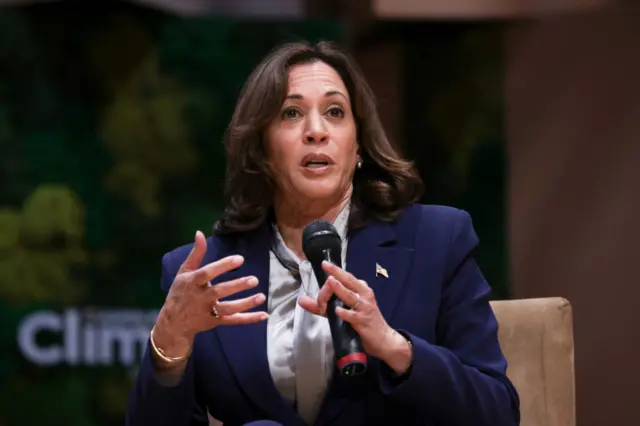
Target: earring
(359,164)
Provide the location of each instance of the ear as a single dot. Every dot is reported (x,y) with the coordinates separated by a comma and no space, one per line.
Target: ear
(358,162)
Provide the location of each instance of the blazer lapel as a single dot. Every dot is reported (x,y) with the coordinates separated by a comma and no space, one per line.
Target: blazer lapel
(369,247)
(245,346)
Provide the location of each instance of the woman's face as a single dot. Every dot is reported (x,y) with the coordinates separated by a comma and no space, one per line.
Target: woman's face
(311,145)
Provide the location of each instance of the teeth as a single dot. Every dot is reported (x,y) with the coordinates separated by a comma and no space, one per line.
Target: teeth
(316,164)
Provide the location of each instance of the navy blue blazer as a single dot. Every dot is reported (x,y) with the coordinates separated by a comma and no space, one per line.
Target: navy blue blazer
(435,294)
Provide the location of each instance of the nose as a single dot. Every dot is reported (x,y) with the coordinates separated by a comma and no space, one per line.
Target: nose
(316,131)
(316,136)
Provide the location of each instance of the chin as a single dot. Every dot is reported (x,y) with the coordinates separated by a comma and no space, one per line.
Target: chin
(317,191)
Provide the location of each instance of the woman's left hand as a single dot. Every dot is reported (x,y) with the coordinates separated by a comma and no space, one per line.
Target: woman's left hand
(378,338)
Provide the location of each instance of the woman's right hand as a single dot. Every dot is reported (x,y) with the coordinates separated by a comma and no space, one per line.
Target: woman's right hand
(188,306)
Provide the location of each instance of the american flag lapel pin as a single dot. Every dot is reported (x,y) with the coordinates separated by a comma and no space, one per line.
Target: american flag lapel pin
(381,271)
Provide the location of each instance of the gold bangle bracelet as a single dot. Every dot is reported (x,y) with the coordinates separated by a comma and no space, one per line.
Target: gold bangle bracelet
(160,352)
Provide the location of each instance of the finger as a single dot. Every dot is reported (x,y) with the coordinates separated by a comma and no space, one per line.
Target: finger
(235,306)
(212,270)
(310,305)
(349,297)
(347,315)
(324,295)
(242,318)
(194,259)
(227,288)
(346,278)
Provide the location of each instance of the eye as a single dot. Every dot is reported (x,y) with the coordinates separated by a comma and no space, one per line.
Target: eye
(336,112)
(290,113)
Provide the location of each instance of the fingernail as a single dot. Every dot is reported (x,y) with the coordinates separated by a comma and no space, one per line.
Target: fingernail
(264,316)
(237,259)
(259,298)
(252,281)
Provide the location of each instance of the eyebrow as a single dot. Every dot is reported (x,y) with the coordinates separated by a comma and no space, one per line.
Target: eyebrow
(327,94)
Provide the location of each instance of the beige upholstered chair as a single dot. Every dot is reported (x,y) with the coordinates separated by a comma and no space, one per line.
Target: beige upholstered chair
(214,422)
(536,336)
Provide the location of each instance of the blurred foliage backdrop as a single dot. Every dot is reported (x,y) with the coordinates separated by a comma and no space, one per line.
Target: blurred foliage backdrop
(110,155)
(454,130)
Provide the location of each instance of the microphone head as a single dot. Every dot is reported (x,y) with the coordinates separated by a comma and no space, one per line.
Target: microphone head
(320,239)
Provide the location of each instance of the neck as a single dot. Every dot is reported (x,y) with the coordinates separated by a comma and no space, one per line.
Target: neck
(293,217)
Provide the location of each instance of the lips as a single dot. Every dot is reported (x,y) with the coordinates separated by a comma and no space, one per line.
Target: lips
(316,161)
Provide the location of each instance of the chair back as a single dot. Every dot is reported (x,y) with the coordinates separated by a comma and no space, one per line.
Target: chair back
(536,336)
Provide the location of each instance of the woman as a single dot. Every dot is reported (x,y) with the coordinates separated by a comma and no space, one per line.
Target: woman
(242,335)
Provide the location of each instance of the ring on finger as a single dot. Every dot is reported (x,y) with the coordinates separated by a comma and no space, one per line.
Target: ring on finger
(214,310)
(357,301)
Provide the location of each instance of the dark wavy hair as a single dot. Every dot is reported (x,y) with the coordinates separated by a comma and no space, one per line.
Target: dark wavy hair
(381,188)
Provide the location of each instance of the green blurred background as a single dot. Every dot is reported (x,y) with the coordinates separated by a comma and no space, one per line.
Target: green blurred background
(110,155)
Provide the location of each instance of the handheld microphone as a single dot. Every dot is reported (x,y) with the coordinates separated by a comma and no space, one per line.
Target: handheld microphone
(321,241)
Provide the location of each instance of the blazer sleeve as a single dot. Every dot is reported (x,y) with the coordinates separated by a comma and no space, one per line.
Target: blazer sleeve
(154,403)
(461,380)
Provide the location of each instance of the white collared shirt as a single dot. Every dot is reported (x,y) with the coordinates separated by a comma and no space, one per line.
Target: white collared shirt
(299,345)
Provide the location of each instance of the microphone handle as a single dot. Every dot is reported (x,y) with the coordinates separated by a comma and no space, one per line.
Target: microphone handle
(351,359)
